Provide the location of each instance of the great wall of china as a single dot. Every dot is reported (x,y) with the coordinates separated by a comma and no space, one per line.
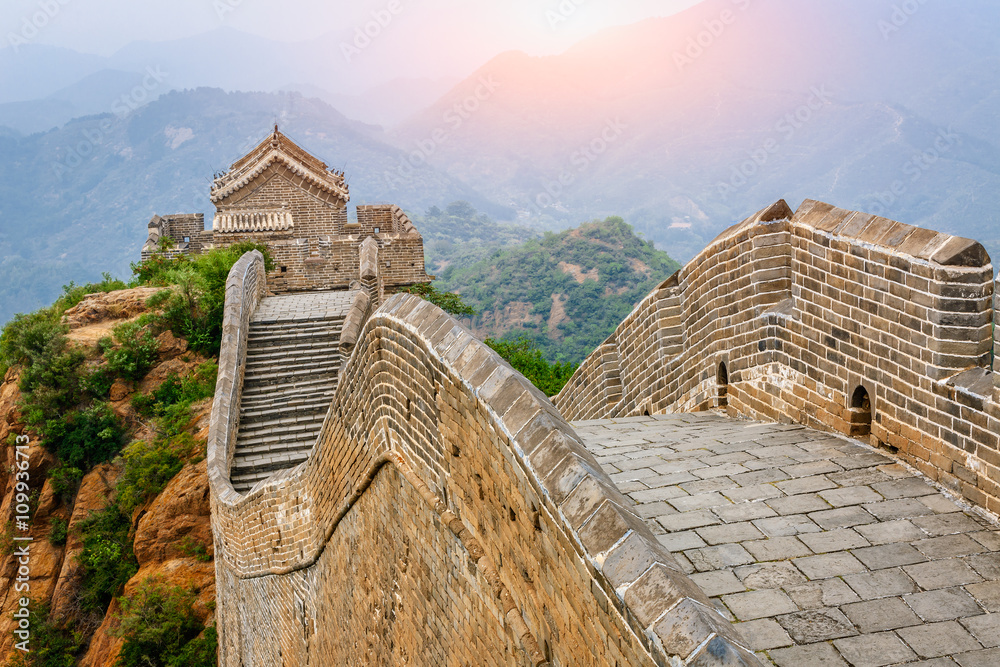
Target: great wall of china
(387,490)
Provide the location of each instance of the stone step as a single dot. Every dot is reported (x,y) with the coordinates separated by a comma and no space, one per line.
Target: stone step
(280,423)
(275,366)
(295,345)
(285,355)
(269,465)
(244,478)
(281,378)
(277,323)
(258,333)
(318,407)
(255,454)
(277,437)
(270,402)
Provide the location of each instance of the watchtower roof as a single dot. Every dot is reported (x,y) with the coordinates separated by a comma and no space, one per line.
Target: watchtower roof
(277,147)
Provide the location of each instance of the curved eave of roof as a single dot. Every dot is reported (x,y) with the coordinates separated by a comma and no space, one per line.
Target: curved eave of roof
(237,181)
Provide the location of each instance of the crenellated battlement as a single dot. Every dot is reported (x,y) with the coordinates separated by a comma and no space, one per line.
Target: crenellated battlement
(834,319)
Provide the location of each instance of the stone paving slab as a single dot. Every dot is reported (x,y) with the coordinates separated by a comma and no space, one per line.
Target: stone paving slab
(821,550)
(304,306)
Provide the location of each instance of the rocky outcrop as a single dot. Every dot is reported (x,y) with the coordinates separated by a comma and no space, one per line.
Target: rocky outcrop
(107,307)
(172,532)
(173,542)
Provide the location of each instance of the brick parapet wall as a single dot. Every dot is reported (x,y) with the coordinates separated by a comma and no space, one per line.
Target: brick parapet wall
(803,310)
(245,286)
(996,339)
(446,487)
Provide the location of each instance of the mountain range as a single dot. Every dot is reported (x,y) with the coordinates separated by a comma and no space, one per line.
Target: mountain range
(682,125)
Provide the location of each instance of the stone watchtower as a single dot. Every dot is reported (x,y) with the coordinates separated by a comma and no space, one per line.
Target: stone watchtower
(280,195)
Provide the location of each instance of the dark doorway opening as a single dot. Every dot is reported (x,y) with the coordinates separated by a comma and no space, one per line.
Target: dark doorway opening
(723,380)
(861,413)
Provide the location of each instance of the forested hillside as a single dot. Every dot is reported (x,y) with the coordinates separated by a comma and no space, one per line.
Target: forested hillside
(566,292)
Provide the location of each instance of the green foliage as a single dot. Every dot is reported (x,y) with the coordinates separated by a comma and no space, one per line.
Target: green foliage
(148,469)
(193,307)
(150,466)
(107,558)
(85,437)
(50,375)
(58,530)
(189,547)
(460,236)
(243,247)
(136,351)
(446,301)
(160,629)
(597,272)
(51,644)
(527,359)
(65,481)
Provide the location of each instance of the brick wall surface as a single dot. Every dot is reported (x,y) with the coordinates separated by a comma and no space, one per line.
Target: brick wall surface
(447,515)
(809,314)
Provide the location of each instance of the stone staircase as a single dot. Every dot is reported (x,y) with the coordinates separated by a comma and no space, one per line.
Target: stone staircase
(292,368)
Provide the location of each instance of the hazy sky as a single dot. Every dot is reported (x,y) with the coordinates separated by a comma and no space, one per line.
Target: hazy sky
(474,28)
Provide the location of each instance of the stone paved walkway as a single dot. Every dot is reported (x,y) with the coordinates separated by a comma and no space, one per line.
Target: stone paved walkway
(304,306)
(822,551)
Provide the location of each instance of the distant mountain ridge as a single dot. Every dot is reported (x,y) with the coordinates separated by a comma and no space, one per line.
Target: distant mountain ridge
(75,201)
(717,114)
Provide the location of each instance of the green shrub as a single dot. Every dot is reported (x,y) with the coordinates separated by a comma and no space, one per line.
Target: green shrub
(85,437)
(189,388)
(98,383)
(160,629)
(135,354)
(107,559)
(65,481)
(156,270)
(189,547)
(526,358)
(51,644)
(58,531)
(148,469)
(449,302)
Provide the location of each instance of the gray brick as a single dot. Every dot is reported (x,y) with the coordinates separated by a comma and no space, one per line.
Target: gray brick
(945,604)
(881,584)
(829,565)
(834,540)
(876,650)
(759,604)
(879,615)
(938,639)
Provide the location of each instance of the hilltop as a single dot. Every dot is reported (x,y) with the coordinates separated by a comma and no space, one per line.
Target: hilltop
(565,291)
